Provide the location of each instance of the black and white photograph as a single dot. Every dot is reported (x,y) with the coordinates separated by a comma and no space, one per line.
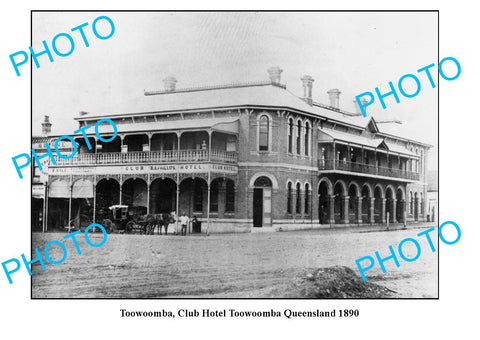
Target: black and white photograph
(225,155)
(245,170)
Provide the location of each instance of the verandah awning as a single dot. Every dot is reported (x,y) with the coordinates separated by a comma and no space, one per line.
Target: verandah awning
(225,125)
(378,144)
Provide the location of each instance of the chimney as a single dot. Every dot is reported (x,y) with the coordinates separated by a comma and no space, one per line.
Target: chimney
(357,107)
(334,97)
(170,83)
(307,88)
(275,73)
(46,126)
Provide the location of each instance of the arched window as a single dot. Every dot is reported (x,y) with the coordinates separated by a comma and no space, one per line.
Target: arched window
(421,203)
(299,200)
(307,138)
(290,135)
(307,199)
(299,137)
(263,182)
(263,136)
(289,198)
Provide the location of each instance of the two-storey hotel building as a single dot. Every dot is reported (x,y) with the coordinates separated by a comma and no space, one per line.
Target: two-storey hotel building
(241,157)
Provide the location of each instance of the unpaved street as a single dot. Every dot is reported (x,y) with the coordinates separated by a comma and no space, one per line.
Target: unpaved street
(231,265)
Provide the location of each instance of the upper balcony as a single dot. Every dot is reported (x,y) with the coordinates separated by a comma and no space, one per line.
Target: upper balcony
(154,157)
(369,169)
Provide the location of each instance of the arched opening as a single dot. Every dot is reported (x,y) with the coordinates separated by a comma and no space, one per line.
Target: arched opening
(307,139)
(229,196)
(107,194)
(289,197)
(389,208)
(262,204)
(298,200)
(134,194)
(421,204)
(290,135)
(400,206)
(366,195)
(323,203)
(263,134)
(163,196)
(193,197)
(214,194)
(352,204)
(307,199)
(339,210)
(378,205)
(299,137)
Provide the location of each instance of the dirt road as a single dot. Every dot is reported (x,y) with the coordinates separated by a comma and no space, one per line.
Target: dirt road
(225,266)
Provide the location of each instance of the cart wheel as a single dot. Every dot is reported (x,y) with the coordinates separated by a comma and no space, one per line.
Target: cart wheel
(129,227)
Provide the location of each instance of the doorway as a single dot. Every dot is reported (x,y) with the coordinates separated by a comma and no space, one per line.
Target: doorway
(262,202)
(257,208)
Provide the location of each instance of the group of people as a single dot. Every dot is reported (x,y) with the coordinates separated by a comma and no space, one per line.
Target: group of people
(185,221)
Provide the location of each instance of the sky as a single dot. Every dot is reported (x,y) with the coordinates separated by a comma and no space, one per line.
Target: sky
(352,51)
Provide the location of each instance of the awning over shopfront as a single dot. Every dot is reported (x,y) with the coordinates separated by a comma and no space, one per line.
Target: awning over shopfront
(38,191)
(82,188)
(59,189)
(226,125)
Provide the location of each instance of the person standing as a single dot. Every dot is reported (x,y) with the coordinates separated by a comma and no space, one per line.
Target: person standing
(184,220)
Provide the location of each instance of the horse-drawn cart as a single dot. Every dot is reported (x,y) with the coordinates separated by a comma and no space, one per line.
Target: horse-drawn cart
(127,219)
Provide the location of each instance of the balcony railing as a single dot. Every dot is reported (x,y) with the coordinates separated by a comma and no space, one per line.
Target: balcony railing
(330,164)
(170,156)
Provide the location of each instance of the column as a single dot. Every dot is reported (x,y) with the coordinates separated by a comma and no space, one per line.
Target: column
(210,145)
(94,200)
(403,212)
(372,210)
(382,214)
(177,208)
(334,158)
(345,200)
(208,205)
(331,207)
(394,210)
(250,204)
(70,204)
(45,203)
(120,191)
(359,210)
(148,198)
(178,147)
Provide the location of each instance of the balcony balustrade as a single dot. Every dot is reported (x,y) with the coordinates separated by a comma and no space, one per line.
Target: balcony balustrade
(170,156)
(330,164)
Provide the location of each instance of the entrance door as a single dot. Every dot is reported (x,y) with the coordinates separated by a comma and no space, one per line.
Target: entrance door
(257,207)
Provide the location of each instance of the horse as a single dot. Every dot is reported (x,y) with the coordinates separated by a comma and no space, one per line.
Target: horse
(165,220)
